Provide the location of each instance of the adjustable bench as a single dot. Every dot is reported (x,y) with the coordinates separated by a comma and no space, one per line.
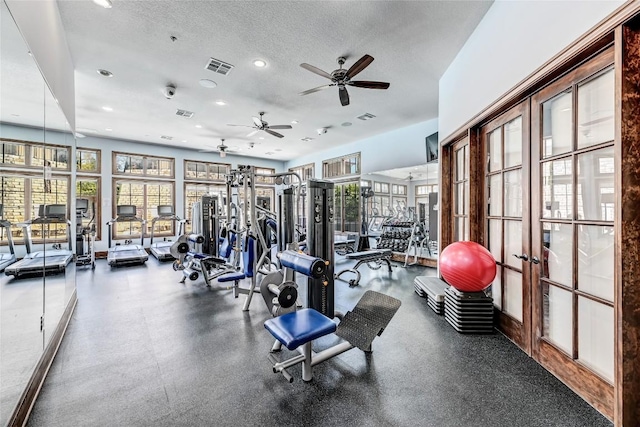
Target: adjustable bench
(344,247)
(374,256)
(358,328)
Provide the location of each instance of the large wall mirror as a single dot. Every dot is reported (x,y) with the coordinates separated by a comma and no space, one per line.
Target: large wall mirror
(402,213)
(37,277)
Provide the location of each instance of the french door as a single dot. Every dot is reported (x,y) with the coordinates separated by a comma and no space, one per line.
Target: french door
(572,229)
(508,220)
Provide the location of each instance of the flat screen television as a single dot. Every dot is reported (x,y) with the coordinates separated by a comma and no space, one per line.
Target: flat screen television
(432,148)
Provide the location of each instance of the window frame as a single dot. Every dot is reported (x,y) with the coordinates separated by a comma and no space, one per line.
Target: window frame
(98,153)
(335,168)
(303,171)
(28,155)
(98,201)
(207,164)
(145,158)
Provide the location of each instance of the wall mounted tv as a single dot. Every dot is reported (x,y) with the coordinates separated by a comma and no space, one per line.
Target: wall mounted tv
(432,148)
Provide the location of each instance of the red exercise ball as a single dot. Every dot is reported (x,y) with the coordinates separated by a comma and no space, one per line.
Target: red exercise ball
(467,266)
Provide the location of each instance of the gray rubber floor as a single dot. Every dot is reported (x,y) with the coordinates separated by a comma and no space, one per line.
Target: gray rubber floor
(144,350)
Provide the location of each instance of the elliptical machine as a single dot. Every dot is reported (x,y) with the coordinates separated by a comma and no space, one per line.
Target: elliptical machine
(85,235)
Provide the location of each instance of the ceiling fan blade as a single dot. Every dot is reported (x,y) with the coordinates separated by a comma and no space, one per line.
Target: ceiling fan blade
(360,65)
(273,133)
(316,70)
(257,121)
(253,132)
(369,85)
(315,89)
(344,96)
(244,126)
(281,127)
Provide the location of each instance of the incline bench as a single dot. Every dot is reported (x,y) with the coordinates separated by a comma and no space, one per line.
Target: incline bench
(374,259)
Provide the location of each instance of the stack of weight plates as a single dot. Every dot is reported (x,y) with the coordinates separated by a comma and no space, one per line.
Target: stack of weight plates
(432,288)
(468,312)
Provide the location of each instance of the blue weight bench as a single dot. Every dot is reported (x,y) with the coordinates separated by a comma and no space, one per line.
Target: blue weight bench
(373,258)
(248,256)
(358,328)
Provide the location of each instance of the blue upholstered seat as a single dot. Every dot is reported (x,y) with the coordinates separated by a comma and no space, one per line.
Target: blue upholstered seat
(299,327)
(247,258)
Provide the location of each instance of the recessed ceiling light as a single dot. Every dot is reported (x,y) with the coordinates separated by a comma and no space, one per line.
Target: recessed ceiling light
(105,73)
(269,153)
(199,126)
(80,135)
(278,149)
(86,130)
(221,102)
(184,140)
(16,115)
(294,122)
(259,63)
(261,137)
(104,3)
(108,129)
(416,168)
(209,84)
(109,109)
(347,124)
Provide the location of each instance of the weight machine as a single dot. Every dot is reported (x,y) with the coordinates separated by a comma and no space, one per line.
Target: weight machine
(296,330)
(6,259)
(85,235)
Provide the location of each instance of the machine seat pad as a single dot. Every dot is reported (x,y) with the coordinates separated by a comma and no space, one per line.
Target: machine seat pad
(231,277)
(300,327)
(372,254)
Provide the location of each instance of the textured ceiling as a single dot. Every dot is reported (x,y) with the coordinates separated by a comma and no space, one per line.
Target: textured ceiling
(412,43)
(428,172)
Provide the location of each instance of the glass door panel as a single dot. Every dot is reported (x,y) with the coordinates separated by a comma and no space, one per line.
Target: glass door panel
(595,340)
(513,143)
(495,239)
(557,186)
(557,125)
(513,193)
(595,190)
(513,243)
(495,195)
(513,293)
(558,253)
(596,106)
(496,289)
(595,261)
(558,317)
(495,150)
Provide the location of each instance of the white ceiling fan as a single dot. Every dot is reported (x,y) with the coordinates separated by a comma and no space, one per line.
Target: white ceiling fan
(408,178)
(222,149)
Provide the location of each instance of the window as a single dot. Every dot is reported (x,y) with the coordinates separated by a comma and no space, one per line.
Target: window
(424,190)
(142,165)
(193,192)
(262,179)
(365,183)
(36,155)
(146,196)
(306,172)
(89,188)
(380,187)
(22,196)
(399,189)
(205,171)
(341,166)
(87,160)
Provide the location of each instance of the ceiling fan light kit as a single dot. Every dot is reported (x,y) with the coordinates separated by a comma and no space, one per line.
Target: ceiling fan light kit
(342,78)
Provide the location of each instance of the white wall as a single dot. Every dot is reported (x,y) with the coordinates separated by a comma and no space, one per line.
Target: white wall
(41,26)
(395,149)
(513,39)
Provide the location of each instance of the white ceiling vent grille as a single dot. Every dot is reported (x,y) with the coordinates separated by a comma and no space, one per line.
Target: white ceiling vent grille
(366,116)
(184,113)
(169,138)
(306,139)
(218,66)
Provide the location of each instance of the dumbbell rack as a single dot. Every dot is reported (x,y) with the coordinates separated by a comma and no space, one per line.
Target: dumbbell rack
(399,236)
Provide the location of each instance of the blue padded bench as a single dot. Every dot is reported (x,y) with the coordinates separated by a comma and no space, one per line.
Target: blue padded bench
(297,330)
(300,327)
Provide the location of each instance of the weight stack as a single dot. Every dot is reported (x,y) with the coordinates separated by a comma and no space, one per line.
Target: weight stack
(433,289)
(468,312)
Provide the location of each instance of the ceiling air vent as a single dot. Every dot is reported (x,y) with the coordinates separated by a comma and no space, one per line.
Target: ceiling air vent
(218,66)
(306,139)
(184,113)
(366,116)
(169,138)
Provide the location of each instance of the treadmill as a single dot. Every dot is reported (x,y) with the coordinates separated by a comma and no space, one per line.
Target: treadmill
(6,259)
(47,260)
(162,250)
(128,253)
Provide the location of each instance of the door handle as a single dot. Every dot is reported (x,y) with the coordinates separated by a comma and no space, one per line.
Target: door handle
(535,260)
(523,257)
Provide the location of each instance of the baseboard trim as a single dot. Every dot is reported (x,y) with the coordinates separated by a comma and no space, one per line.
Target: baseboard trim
(28,398)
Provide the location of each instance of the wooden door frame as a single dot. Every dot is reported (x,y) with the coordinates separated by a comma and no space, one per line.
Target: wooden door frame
(519,333)
(591,387)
